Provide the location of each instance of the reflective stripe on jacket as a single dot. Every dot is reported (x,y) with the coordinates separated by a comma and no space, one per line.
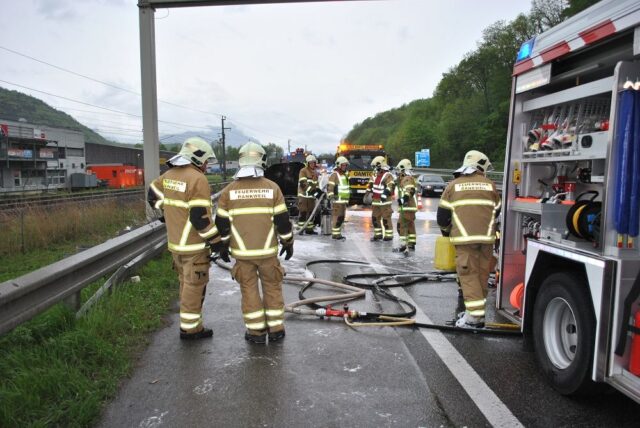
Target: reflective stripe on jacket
(250,205)
(177,192)
(307,182)
(341,182)
(473,202)
(407,186)
(378,184)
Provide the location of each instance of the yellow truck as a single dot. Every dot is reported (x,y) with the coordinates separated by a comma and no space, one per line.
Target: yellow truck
(360,157)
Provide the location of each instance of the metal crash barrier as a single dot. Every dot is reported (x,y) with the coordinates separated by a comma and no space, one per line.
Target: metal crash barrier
(21,299)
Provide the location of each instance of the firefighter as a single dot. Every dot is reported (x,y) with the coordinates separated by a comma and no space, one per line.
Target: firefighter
(467,212)
(308,192)
(338,181)
(381,185)
(252,217)
(408,203)
(183,195)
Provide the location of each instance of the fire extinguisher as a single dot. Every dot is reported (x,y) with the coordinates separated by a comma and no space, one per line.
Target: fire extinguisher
(634,357)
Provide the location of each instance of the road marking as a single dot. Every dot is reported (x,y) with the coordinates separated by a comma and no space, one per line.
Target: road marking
(496,412)
(420,215)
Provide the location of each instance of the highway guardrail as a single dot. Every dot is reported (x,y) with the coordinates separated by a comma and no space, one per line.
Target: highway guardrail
(23,298)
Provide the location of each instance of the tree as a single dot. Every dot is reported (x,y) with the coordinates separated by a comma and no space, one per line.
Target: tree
(576,6)
(547,13)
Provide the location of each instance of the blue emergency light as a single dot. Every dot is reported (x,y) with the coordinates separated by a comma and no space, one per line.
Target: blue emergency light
(525,50)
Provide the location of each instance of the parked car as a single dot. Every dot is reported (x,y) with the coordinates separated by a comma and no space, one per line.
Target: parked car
(431,185)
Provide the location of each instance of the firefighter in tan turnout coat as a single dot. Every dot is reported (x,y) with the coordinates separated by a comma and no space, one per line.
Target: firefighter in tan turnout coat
(381,185)
(183,195)
(308,191)
(467,212)
(338,193)
(408,203)
(252,217)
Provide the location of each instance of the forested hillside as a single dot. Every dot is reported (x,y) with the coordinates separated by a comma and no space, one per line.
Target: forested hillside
(470,106)
(15,105)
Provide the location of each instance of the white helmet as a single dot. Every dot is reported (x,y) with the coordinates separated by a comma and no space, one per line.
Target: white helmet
(252,155)
(379,162)
(341,160)
(475,161)
(194,150)
(404,166)
(311,158)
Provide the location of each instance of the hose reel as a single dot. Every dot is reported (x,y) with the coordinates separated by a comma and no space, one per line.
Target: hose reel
(583,218)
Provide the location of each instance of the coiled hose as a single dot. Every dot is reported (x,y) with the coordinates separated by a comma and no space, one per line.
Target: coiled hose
(356,290)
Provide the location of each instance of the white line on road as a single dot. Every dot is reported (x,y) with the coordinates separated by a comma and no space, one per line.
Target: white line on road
(496,412)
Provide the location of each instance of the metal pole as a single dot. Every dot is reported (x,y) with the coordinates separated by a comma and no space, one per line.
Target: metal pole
(151,143)
(224,153)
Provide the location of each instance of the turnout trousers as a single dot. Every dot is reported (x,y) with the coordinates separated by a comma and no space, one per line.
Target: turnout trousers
(266,312)
(305,207)
(381,218)
(193,274)
(473,265)
(338,212)
(407,227)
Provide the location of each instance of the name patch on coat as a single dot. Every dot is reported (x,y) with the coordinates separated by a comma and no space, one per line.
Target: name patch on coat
(239,194)
(175,185)
(462,187)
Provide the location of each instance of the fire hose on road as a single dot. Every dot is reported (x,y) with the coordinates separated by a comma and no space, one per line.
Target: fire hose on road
(357,290)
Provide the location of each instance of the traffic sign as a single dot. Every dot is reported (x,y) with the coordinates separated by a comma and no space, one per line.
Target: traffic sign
(423,158)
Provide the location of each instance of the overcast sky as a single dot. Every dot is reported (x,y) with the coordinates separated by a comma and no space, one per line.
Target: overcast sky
(305,72)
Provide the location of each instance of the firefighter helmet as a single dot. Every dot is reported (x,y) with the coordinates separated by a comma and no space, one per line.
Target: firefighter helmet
(404,166)
(341,160)
(252,155)
(477,160)
(196,150)
(311,158)
(379,162)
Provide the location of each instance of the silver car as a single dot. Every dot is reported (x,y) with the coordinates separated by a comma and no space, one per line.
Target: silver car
(431,185)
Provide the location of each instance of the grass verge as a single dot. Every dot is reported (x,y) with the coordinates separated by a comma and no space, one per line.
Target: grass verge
(59,371)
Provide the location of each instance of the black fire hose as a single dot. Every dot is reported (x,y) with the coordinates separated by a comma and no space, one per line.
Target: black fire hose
(403,319)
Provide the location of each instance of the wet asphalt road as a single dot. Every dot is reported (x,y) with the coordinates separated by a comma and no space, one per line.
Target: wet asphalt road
(326,374)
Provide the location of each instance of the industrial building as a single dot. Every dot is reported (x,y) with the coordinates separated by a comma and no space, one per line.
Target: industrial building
(35,157)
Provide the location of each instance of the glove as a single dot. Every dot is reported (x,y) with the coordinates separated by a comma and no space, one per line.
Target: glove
(445,232)
(405,200)
(161,219)
(318,193)
(287,247)
(222,249)
(401,202)
(385,194)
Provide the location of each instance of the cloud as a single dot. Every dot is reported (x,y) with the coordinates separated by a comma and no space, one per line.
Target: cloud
(60,10)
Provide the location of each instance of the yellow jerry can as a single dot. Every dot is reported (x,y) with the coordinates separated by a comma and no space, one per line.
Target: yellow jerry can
(445,257)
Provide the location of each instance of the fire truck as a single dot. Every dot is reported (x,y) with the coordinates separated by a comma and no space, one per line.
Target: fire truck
(360,157)
(569,257)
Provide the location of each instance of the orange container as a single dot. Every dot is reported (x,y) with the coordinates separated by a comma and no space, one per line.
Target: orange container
(516,296)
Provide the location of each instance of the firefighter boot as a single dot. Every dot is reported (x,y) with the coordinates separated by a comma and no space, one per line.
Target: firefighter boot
(258,337)
(469,321)
(202,334)
(276,335)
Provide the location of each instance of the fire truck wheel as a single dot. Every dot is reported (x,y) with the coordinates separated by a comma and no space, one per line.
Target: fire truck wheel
(564,333)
